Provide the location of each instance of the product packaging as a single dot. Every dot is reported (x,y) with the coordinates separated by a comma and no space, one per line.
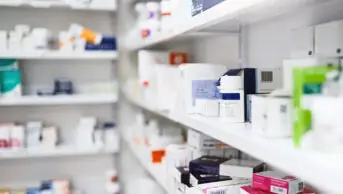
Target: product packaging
(107,43)
(197,179)
(308,80)
(199,88)
(227,187)
(168,84)
(77,31)
(201,141)
(255,81)
(10,78)
(33,133)
(182,175)
(241,168)
(85,131)
(207,165)
(40,38)
(111,136)
(272,115)
(49,137)
(278,183)
(250,190)
(5,130)
(17,137)
(180,180)
(231,100)
(176,155)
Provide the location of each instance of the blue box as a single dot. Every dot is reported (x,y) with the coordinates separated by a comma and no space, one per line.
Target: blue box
(199,6)
(108,43)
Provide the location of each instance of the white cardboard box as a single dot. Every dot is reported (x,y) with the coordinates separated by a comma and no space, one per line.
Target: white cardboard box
(232,187)
(271,116)
(240,168)
(201,141)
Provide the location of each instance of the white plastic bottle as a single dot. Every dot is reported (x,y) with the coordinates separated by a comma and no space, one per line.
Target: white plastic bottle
(231,103)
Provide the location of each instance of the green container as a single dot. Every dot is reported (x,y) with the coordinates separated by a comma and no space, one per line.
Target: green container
(306,81)
(10,78)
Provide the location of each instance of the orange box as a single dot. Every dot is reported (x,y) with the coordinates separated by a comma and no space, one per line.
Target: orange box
(177,58)
(157,156)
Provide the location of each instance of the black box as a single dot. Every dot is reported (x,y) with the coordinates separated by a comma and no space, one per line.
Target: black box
(206,165)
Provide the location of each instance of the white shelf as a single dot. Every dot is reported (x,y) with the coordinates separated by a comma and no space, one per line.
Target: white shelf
(53,152)
(59,100)
(157,171)
(309,165)
(48,4)
(227,16)
(96,55)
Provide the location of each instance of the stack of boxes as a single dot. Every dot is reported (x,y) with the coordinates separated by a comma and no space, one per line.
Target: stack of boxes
(211,167)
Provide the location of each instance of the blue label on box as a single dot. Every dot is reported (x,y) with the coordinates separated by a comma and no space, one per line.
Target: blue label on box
(204,89)
(230,96)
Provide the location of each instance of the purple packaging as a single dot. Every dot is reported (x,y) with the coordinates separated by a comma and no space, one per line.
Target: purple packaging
(206,165)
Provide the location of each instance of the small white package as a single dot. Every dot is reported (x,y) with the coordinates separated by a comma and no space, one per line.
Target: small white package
(240,168)
(201,141)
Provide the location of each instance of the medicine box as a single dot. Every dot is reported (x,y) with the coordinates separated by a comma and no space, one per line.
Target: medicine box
(271,115)
(206,165)
(278,116)
(258,112)
(278,183)
(182,175)
(257,81)
(197,179)
(201,141)
(250,190)
(226,187)
(241,168)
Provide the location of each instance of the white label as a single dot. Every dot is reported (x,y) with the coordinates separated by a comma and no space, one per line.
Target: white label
(278,190)
(217,191)
(229,109)
(193,180)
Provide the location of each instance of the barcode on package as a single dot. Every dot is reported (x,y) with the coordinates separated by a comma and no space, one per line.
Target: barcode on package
(278,190)
(217,191)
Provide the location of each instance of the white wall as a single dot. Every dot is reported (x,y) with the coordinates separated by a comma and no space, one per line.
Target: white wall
(269,42)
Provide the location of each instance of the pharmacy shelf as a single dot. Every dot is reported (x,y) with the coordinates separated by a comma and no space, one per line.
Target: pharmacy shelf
(157,171)
(227,16)
(57,4)
(55,55)
(309,165)
(53,152)
(59,100)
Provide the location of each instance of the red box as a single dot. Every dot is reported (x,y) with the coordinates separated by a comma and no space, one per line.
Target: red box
(250,190)
(278,183)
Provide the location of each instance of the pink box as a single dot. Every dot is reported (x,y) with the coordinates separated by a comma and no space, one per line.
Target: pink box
(278,183)
(250,190)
